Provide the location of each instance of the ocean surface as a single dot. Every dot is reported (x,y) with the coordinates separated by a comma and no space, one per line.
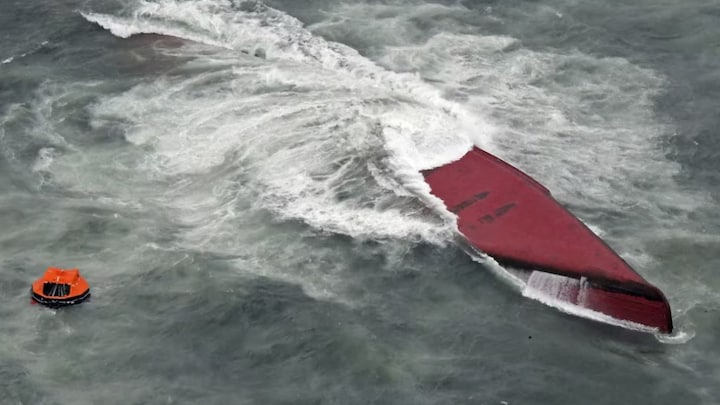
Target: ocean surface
(239,183)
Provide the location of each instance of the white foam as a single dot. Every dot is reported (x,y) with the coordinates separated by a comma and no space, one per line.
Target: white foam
(44,159)
(343,113)
(284,38)
(24,54)
(678,337)
(591,138)
(125,28)
(512,278)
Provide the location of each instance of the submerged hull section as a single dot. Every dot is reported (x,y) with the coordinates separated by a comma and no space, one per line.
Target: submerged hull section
(509,216)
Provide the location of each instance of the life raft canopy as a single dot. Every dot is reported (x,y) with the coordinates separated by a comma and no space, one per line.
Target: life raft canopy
(60,287)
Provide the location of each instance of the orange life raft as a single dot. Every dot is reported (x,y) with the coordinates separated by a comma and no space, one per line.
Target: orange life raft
(59,287)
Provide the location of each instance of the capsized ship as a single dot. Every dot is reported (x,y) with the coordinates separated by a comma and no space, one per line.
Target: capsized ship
(506,214)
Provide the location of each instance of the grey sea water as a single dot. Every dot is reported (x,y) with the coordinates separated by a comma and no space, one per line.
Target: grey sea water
(239,183)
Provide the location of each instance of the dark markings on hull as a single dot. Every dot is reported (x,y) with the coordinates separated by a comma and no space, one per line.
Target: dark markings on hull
(488,218)
(504,209)
(470,201)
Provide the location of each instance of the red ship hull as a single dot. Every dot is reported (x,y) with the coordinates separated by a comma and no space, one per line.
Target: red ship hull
(509,216)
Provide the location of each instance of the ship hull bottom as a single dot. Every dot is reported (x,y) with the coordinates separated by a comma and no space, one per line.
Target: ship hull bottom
(588,299)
